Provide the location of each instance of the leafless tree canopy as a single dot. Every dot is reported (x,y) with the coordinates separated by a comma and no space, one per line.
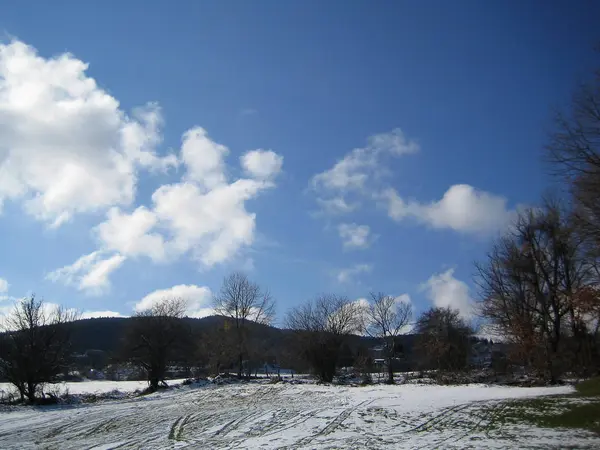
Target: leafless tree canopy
(329,313)
(385,318)
(538,287)
(35,346)
(243,301)
(321,326)
(155,336)
(574,151)
(443,339)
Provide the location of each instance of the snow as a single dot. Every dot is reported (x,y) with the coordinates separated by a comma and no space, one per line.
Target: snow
(263,415)
(92,387)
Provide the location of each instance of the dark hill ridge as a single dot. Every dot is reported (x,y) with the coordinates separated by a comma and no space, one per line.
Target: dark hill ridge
(105,333)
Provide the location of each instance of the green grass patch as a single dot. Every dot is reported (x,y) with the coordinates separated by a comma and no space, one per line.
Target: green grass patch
(577,411)
(584,416)
(589,388)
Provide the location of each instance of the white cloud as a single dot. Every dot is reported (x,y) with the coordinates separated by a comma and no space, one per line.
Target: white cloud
(214,225)
(462,208)
(204,159)
(65,145)
(355,236)
(348,274)
(360,167)
(360,174)
(206,218)
(198,299)
(97,277)
(204,214)
(336,206)
(261,164)
(89,273)
(403,298)
(3,286)
(446,291)
(129,234)
(98,314)
(351,172)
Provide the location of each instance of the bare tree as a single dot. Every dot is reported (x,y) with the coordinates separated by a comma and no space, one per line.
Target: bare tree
(574,152)
(35,346)
(322,327)
(386,318)
(243,301)
(535,287)
(218,348)
(443,339)
(155,336)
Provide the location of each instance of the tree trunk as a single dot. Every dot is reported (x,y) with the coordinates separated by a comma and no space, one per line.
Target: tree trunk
(153,383)
(153,379)
(240,364)
(31,392)
(390,371)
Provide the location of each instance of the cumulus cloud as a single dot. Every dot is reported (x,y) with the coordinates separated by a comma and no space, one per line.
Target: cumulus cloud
(203,214)
(130,234)
(65,145)
(214,225)
(89,273)
(360,174)
(444,290)
(198,299)
(350,273)
(359,168)
(261,164)
(462,208)
(204,159)
(355,236)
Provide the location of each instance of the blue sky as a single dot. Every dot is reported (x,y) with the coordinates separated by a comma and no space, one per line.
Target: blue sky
(150,148)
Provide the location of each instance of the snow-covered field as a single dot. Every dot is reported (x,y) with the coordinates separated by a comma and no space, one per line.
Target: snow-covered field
(292,416)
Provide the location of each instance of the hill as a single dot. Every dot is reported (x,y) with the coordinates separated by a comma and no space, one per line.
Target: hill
(105,333)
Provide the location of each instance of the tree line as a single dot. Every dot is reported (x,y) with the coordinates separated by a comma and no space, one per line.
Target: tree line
(36,345)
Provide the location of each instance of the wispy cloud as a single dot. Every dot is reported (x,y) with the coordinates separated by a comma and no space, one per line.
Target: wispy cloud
(351,273)
(355,236)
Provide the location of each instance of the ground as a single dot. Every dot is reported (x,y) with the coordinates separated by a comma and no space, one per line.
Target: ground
(295,416)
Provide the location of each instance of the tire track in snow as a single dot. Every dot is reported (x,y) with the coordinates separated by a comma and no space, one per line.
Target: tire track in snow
(331,426)
(447,412)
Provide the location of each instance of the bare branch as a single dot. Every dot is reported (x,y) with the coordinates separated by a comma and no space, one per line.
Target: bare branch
(35,346)
(155,336)
(322,326)
(243,301)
